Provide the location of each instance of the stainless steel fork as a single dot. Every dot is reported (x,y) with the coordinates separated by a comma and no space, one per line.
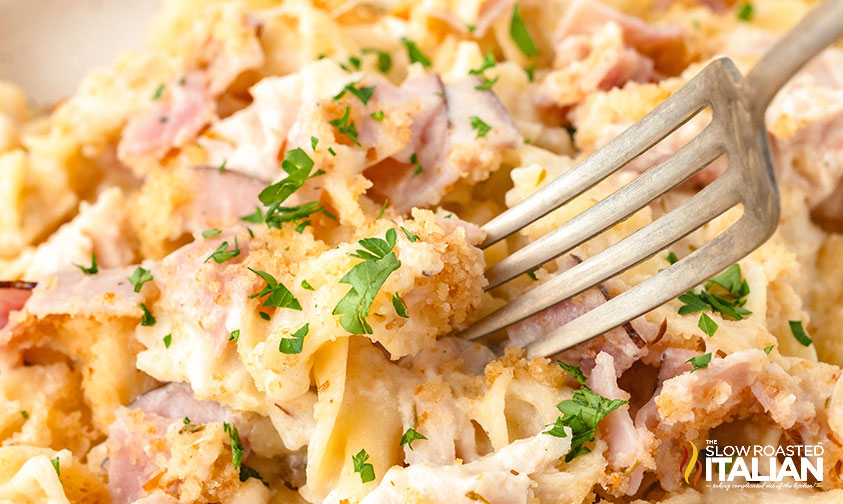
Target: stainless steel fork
(736,131)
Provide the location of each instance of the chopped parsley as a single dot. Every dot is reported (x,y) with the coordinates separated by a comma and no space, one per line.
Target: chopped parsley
(208,233)
(470,28)
(700,361)
(294,344)
(346,126)
(247,472)
(353,62)
(55,463)
(581,414)
(410,436)
(414,53)
(414,160)
(186,420)
(383,209)
(221,167)
(400,309)
(671,258)
(531,72)
(746,11)
(301,226)
(769,349)
(234,336)
(306,285)
(236,445)
(220,255)
(24,414)
(575,371)
(278,295)
(520,35)
(480,126)
(159,92)
(363,93)
(93,270)
(410,236)
(331,151)
(366,470)
(384,59)
(487,84)
(557,429)
(139,277)
(708,326)
(146,319)
(265,316)
(799,333)
(488,62)
(377,116)
(366,278)
(532,273)
(314,142)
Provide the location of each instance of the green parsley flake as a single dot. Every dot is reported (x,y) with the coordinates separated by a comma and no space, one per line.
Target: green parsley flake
(247,472)
(222,166)
(146,319)
(410,436)
(383,209)
(301,226)
(298,165)
(278,295)
(384,59)
(557,429)
(769,349)
(708,326)
(520,35)
(414,53)
(531,72)
(208,233)
(470,28)
(331,151)
(139,277)
(221,255)
(236,445)
(480,126)
(364,94)
(24,414)
(234,336)
(700,361)
(488,62)
(265,316)
(346,126)
(306,285)
(294,344)
(400,309)
(159,91)
(314,142)
(93,270)
(799,333)
(186,420)
(581,414)
(414,161)
(366,279)
(366,470)
(575,371)
(378,116)
(746,12)
(410,236)
(487,84)
(531,272)
(55,463)
(671,258)
(167,340)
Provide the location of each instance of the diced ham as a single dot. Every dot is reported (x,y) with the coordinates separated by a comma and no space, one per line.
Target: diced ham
(218,199)
(585,17)
(503,477)
(13,295)
(171,121)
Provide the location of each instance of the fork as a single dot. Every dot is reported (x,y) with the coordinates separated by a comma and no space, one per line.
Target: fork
(736,131)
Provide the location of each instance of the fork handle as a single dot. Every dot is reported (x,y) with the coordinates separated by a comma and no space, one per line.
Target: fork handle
(818,29)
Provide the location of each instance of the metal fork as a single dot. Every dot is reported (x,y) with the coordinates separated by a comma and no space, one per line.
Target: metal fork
(736,131)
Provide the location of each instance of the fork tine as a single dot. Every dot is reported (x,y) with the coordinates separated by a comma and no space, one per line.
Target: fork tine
(698,153)
(703,263)
(649,130)
(635,248)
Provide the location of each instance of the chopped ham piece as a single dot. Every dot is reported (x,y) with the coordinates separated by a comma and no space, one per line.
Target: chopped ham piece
(218,199)
(585,17)
(13,295)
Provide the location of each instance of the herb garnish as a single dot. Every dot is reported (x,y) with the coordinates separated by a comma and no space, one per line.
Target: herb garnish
(480,126)
(220,255)
(293,345)
(384,59)
(167,340)
(575,371)
(414,161)
(278,295)
(159,91)
(366,470)
(400,309)
(769,349)
(520,35)
(799,333)
(746,11)
(346,126)
(365,279)
(208,233)
(671,258)
(410,436)
(488,62)
(55,463)
(234,336)
(139,277)
(532,272)
(410,236)
(415,54)
(306,285)
(725,294)
(24,414)
(707,325)
(146,319)
(377,116)
(93,270)
(700,361)
(383,209)
(236,445)
(363,93)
